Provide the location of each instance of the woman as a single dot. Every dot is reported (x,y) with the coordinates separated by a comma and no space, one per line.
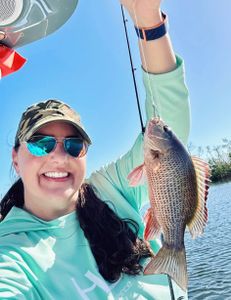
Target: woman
(64,237)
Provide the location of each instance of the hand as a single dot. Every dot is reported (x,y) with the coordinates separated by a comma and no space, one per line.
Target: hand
(144,13)
(2,35)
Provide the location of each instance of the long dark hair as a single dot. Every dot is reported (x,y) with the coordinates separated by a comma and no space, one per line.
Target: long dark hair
(114,241)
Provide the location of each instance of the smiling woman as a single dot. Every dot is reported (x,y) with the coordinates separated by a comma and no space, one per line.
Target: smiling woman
(63,236)
(50,157)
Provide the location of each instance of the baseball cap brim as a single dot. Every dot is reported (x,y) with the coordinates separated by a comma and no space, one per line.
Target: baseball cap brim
(43,122)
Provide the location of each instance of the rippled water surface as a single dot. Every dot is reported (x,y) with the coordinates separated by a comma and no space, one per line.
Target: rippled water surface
(209,256)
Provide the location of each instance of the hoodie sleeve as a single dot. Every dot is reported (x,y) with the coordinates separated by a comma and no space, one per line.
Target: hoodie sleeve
(166,94)
(14,283)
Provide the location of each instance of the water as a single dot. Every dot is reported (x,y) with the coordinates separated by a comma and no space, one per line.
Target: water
(209,257)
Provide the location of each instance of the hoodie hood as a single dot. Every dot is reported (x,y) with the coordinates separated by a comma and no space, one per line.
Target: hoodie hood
(19,220)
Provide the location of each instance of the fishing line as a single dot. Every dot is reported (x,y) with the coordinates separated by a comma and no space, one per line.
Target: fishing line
(155,109)
(156,113)
(169,278)
(171,289)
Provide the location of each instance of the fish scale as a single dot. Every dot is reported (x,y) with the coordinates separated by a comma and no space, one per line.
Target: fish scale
(174,187)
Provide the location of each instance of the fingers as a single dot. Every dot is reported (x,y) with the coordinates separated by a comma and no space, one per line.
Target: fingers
(127,3)
(2,35)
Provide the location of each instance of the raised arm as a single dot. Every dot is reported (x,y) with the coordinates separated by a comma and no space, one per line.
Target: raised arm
(166,94)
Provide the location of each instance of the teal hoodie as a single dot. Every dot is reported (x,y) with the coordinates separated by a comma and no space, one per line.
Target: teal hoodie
(52,259)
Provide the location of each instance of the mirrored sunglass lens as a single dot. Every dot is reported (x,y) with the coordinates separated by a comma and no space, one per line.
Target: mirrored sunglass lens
(42,146)
(73,146)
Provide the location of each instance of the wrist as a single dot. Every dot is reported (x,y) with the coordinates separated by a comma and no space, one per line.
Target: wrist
(148,19)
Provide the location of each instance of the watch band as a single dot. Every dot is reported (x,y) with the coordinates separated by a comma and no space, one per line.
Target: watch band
(153,33)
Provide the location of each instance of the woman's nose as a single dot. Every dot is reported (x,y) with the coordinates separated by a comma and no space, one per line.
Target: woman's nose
(59,151)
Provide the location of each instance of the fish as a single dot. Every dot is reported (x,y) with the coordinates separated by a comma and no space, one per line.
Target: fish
(178,185)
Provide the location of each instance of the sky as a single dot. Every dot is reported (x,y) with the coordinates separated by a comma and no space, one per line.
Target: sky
(85,63)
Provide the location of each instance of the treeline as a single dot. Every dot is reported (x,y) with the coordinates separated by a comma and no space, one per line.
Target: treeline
(218,157)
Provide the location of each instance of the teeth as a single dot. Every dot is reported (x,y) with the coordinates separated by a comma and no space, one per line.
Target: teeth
(56,174)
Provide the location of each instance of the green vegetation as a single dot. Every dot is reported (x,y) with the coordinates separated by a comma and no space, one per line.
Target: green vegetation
(219,159)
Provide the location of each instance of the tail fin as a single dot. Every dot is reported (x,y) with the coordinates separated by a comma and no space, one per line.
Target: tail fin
(171,262)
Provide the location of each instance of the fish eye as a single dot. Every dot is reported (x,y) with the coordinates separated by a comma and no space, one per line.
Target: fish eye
(165,128)
(155,153)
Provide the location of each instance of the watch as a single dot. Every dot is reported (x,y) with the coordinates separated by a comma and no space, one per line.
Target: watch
(153,33)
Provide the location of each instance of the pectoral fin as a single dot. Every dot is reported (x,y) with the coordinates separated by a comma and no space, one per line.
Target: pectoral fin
(137,176)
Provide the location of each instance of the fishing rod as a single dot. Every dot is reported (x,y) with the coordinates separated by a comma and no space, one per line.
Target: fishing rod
(139,110)
(133,69)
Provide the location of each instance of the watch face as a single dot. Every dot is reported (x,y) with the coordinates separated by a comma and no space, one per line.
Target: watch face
(25,21)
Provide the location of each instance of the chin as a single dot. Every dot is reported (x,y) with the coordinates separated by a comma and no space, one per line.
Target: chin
(63,195)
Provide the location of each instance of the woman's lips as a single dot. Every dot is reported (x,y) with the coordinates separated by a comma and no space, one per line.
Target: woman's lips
(56,179)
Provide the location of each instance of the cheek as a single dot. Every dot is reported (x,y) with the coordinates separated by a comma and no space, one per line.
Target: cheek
(80,168)
(27,164)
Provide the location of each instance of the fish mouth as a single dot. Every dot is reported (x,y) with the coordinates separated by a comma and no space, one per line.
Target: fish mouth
(157,121)
(158,136)
(158,129)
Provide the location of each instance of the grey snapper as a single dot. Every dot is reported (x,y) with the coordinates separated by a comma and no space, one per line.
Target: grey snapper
(178,189)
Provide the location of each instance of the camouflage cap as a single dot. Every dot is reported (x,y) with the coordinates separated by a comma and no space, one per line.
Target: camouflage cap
(42,113)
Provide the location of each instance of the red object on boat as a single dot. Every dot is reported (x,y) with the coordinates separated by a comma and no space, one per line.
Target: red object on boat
(10,61)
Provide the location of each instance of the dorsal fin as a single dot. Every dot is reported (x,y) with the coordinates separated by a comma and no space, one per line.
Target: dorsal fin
(200,217)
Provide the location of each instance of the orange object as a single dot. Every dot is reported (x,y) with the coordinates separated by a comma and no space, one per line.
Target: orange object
(10,61)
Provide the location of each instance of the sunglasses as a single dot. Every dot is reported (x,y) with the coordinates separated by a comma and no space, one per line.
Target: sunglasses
(40,145)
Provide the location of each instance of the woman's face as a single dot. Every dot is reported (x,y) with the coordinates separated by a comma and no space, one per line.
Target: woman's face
(48,197)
